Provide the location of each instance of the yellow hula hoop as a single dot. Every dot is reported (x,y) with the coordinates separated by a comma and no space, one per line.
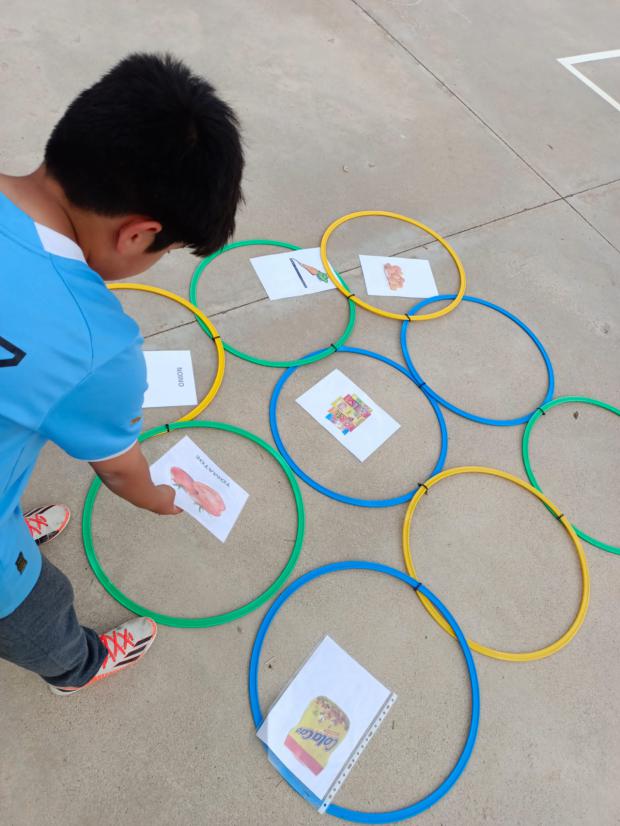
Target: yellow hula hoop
(511,656)
(370,307)
(221,356)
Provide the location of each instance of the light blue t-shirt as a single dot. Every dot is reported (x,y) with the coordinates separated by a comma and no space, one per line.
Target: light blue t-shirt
(71,371)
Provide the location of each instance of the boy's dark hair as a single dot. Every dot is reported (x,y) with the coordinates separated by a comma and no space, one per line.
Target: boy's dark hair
(152,138)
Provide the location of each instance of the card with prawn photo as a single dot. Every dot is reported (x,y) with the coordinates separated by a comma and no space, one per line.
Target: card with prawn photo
(349,414)
(203,489)
(292,273)
(402,277)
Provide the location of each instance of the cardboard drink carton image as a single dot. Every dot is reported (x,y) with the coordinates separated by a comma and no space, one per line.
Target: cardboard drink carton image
(318,734)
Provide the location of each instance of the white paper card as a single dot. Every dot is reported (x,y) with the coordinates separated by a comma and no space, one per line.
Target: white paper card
(204,490)
(349,414)
(170,378)
(401,277)
(291,273)
(322,716)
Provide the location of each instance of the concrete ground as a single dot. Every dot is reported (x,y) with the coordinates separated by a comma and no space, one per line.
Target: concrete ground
(455,112)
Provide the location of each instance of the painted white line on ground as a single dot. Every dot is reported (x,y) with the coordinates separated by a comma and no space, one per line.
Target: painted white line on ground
(569,63)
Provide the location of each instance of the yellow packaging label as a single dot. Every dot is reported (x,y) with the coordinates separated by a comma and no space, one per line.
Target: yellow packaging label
(322,728)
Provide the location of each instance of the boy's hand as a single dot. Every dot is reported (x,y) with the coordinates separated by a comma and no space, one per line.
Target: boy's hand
(165,505)
(128,476)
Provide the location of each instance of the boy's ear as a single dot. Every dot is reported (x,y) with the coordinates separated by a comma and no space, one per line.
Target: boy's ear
(136,235)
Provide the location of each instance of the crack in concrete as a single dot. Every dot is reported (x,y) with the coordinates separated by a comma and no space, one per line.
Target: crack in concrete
(478,117)
(422,244)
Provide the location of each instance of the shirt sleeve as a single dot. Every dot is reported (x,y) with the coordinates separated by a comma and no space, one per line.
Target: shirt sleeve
(102,416)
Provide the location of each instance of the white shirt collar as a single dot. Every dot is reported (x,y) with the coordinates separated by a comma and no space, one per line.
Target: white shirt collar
(57,244)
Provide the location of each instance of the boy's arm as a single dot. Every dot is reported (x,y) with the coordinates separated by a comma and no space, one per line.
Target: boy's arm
(99,422)
(128,476)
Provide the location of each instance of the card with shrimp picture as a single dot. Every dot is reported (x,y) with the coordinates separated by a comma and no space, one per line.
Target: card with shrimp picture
(292,273)
(203,489)
(349,414)
(400,277)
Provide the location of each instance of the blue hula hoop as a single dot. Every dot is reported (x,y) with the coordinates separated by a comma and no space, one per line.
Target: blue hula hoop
(424,386)
(341,497)
(444,787)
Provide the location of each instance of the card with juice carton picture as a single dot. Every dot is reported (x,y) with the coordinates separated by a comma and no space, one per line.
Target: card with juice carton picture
(323,720)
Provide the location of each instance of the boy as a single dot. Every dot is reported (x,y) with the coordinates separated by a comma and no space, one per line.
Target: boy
(147,160)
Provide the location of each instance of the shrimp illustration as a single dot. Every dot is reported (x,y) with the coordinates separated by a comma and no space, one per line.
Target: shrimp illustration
(208,499)
(182,479)
(394,275)
(205,497)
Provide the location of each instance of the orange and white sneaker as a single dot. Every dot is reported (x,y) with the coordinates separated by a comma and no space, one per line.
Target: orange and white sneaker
(46,523)
(126,645)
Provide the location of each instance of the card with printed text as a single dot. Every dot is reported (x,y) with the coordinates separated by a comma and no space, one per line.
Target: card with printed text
(204,490)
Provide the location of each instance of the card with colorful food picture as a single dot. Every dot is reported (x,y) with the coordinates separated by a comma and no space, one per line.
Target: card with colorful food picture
(349,414)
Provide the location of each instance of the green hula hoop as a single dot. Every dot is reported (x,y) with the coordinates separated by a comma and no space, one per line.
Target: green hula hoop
(216,619)
(254,359)
(604,546)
